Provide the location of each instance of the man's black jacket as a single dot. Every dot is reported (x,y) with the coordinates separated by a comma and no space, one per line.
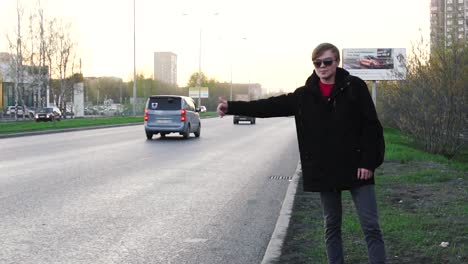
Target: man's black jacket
(336,134)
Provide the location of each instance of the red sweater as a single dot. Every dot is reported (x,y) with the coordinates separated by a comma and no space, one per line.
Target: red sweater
(325,88)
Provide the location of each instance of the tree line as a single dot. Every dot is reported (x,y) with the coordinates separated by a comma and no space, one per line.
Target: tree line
(431,103)
(99,89)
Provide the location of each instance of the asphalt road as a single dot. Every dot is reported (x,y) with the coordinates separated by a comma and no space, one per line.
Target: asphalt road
(111,196)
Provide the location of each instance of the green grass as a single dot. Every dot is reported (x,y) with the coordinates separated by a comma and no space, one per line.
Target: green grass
(27,126)
(422,202)
(400,147)
(30,125)
(208,114)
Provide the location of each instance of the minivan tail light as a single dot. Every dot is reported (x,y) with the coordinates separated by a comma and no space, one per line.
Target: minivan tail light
(146,114)
(182,115)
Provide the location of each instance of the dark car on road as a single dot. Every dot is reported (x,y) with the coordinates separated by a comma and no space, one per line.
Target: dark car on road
(239,118)
(48,114)
(166,114)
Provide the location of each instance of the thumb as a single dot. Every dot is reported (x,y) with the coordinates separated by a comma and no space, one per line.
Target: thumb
(222,100)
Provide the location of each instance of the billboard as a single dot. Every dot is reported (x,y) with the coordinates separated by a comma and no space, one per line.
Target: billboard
(375,64)
(194,92)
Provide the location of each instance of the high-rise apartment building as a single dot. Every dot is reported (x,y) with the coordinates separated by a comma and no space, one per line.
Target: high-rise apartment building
(449,22)
(165,67)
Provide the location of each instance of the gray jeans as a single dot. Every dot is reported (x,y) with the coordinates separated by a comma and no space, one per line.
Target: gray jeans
(366,206)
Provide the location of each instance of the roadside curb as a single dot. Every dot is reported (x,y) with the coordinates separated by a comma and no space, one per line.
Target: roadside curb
(43,132)
(273,251)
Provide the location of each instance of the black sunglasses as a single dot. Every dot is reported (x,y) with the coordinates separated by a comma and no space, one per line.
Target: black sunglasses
(326,62)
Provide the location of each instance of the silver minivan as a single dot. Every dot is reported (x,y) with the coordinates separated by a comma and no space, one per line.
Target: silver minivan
(166,114)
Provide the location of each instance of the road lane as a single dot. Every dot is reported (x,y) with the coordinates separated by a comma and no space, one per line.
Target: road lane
(111,196)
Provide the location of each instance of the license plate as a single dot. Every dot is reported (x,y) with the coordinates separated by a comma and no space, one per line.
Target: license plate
(163,121)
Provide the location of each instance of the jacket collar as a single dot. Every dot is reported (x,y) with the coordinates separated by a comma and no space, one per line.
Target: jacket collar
(312,83)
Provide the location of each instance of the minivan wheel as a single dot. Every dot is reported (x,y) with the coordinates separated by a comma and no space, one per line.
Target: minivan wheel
(197,133)
(186,134)
(149,135)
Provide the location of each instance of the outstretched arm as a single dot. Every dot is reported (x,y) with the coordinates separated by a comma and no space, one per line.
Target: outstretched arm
(283,105)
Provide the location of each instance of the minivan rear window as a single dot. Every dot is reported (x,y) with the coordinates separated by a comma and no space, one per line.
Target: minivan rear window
(164,103)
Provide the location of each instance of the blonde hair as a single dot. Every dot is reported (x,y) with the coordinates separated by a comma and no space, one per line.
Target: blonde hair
(321,48)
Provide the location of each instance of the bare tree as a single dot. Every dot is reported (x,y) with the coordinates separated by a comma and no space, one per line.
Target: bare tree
(48,52)
(16,62)
(59,52)
(37,56)
(50,48)
(42,57)
(65,58)
(431,103)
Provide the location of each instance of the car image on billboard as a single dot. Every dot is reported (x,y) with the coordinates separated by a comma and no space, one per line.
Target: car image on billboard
(375,64)
(372,62)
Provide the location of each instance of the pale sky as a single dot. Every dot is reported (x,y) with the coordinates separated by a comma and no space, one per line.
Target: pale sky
(259,41)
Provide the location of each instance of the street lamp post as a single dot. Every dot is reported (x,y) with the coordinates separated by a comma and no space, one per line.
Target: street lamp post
(199,70)
(230,94)
(134,61)
(199,61)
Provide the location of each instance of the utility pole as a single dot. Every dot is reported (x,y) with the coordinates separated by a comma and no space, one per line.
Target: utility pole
(199,71)
(199,61)
(134,61)
(230,93)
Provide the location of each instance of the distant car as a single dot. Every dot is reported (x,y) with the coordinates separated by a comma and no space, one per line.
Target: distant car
(70,114)
(373,62)
(48,114)
(239,118)
(31,111)
(12,109)
(166,114)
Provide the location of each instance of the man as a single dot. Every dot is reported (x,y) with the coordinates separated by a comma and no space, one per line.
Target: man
(338,133)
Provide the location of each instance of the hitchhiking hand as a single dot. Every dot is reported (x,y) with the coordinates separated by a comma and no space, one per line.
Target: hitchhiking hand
(222,107)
